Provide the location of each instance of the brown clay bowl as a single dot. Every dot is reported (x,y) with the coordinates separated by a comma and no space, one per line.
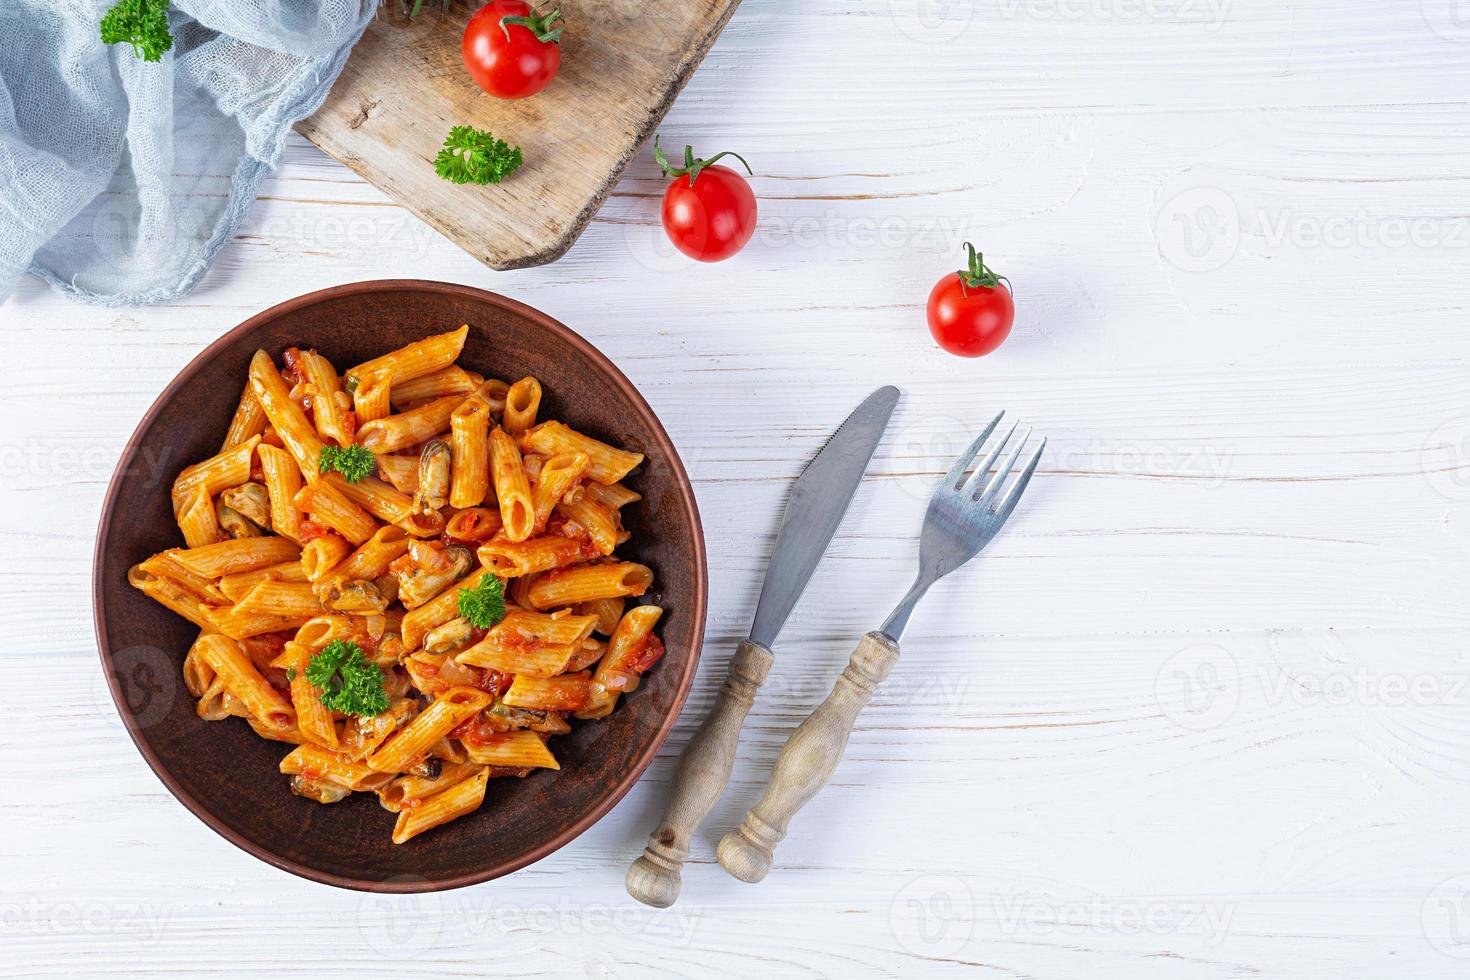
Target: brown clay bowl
(224,772)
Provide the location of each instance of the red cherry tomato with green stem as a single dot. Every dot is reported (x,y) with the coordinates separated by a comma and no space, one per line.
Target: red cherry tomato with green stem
(510,50)
(970,312)
(709,210)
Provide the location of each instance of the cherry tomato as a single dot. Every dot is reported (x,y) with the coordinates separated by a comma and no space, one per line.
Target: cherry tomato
(970,312)
(709,210)
(510,50)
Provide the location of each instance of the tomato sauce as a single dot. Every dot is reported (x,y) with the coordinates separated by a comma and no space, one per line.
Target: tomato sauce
(647,655)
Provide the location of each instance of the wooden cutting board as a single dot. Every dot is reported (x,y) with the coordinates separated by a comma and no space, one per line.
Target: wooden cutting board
(405,86)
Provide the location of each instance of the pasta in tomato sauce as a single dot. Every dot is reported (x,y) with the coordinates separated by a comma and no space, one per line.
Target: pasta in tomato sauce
(407,576)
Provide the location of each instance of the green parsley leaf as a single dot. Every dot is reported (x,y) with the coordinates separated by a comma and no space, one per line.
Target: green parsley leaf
(484,605)
(290,673)
(141,23)
(351,384)
(353,462)
(474,156)
(348,681)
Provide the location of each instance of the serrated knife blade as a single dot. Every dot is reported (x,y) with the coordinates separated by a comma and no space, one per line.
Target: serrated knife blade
(818,501)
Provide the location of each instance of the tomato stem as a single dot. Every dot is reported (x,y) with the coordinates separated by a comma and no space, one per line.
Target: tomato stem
(692,166)
(978,275)
(540,25)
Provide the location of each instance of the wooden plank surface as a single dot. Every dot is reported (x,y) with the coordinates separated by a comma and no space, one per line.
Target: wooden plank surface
(1200,712)
(405,87)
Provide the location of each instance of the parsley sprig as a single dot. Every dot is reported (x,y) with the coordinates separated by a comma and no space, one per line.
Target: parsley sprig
(475,156)
(353,462)
(484,605)
(347,680)
(141,23)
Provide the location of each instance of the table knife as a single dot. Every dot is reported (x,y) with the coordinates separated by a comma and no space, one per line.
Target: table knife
(817,504)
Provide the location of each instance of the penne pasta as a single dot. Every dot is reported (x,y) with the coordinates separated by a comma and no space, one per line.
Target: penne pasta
(418,359)
(198,520)
(512,750)
(229,469)
(587,654)
(372,399)
(165,565)
(286,417)
(569,692)
(407,792)
(320,555)
(249,420)
(228,557)
(328,505)
(437,611)
(606,464)
(371,559)
(609,613)
(522,400)
(518,590)
(453,380)
(329,403)
(615,496)
(415,739)
(469,430)
(318,763)
(198,675)
(512,559)
(459,799)
(529,643)
(237,625)
(512,489)
(285,600)
(391,433)
(234,586)
(387,504)
(362,736)
(557,476)
(401,472)
(314,720)
(242,680)
(293,576)
(473,524)
(282,482)
(631,650)
(317,632)
(599,523)
(584,583)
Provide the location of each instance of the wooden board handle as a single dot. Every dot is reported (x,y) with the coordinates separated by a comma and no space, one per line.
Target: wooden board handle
(807,760)
(703,770)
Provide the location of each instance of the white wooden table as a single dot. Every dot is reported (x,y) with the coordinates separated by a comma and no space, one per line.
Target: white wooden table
(1202,711)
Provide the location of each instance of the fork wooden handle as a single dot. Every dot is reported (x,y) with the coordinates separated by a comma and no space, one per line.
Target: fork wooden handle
(807,760)
(704,769)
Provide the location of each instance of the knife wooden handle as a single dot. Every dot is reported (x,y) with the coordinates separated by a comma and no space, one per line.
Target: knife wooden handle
(704,769)
(807,760)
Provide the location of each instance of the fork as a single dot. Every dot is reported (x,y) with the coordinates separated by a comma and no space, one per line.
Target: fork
(963,516)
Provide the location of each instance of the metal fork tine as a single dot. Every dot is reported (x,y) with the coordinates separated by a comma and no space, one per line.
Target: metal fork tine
(992,489)
(972,486)
(1008,502)
(956,472)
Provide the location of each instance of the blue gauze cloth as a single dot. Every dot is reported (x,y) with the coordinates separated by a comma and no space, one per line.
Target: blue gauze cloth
(120,179)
